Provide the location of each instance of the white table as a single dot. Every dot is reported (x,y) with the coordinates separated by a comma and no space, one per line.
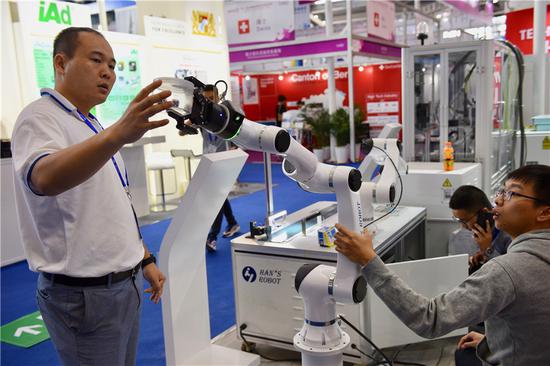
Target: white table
(272,309)
(12,245)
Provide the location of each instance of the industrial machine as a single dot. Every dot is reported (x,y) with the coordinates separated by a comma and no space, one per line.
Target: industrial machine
(321,339)
(468,93)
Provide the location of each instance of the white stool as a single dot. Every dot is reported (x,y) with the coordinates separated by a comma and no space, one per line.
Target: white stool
(187,155)
(159,162)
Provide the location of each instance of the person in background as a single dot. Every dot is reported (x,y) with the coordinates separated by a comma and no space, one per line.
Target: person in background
(472,208)
(211,144)
(280,109)
(78,225)
(509,292)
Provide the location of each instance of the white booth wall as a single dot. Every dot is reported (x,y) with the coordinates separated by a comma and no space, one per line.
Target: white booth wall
(11,90)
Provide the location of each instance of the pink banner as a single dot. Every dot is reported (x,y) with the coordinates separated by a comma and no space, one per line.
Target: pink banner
(476,9)
(268,53)
(379,49)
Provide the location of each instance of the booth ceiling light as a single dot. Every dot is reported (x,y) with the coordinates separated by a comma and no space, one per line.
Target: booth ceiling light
(247,77)
(361,68)
(281,77)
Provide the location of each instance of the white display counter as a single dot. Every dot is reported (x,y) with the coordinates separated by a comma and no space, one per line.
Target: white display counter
(264,273)
(11,243)
(428,185)
(538,147)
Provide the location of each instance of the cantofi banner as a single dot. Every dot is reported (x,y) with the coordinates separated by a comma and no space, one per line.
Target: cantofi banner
(377,91)
(519,29)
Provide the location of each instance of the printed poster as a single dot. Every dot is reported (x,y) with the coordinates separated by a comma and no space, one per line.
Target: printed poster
(381,19)
(126,87)
(42,51)
(250,91)
(259,21)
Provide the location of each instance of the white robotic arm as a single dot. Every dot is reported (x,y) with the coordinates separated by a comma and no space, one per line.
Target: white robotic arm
(321,339)
(379,180)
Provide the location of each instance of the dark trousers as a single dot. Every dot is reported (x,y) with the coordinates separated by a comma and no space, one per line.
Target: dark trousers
(217,225)
(467,357)
(95,325)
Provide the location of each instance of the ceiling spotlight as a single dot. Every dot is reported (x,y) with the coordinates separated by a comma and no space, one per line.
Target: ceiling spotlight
(422,29)
(247,77)
(280,77)
(361,68)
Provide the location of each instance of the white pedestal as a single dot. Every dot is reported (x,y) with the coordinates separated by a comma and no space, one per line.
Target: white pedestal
(182,259)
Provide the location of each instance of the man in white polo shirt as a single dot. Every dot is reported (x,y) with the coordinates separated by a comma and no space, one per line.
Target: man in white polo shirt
(77,221)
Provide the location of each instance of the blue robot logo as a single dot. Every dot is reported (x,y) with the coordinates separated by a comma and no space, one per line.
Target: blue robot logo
(249,274)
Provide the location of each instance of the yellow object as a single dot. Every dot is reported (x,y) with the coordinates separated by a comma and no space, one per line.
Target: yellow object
(448,157)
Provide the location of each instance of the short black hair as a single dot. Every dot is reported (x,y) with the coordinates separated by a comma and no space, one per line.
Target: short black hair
(281,98)
(538,176)
(66,41)
(469,198)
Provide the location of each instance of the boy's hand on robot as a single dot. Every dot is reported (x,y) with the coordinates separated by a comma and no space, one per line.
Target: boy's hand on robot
(357,247)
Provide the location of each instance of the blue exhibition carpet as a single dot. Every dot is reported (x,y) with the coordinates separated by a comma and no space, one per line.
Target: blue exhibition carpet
(18,283)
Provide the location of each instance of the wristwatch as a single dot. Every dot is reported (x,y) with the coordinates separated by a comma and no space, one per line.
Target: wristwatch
(150,259)
(489,251)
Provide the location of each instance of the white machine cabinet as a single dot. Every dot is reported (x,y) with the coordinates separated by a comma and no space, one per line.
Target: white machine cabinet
(428,185)
(464,93)
(264,274)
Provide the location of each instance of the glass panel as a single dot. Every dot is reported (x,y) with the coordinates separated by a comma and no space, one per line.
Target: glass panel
(505,115)
(462,104)
(427,75)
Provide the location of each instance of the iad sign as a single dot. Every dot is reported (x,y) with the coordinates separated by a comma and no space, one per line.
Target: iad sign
(25,331)
(49,16)
(54,12)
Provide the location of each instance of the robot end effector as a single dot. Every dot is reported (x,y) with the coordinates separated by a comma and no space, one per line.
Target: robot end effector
(228,122)
(221,119)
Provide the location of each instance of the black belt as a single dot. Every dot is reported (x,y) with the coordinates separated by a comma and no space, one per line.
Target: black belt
(92,281)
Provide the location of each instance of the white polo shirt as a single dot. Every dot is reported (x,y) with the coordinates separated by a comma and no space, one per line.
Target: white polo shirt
(87,231)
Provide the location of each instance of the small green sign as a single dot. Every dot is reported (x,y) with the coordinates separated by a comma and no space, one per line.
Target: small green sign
(25,331)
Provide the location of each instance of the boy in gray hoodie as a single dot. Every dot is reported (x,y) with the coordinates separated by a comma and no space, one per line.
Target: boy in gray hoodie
(511,293)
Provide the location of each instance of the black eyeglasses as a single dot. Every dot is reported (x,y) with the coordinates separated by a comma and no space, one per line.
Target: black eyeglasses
(507,196)
(465,222)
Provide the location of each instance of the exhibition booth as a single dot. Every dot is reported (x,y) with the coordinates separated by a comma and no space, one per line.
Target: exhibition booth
(418,114)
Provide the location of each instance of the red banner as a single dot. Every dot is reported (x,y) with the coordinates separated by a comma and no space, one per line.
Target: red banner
(374,84)
(519,29)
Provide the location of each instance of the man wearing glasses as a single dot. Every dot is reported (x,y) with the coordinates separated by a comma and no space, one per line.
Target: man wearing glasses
(510,293)
(472,208)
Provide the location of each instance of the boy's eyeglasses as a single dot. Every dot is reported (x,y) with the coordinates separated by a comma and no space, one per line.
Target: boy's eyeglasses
(507,196)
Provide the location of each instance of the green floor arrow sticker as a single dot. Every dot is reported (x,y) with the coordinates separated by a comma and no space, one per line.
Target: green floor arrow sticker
(25,331)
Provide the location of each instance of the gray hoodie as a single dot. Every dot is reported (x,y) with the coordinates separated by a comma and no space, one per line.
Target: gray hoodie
(511,293)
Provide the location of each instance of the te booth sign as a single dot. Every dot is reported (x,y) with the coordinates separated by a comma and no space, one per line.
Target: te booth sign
(519,29)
